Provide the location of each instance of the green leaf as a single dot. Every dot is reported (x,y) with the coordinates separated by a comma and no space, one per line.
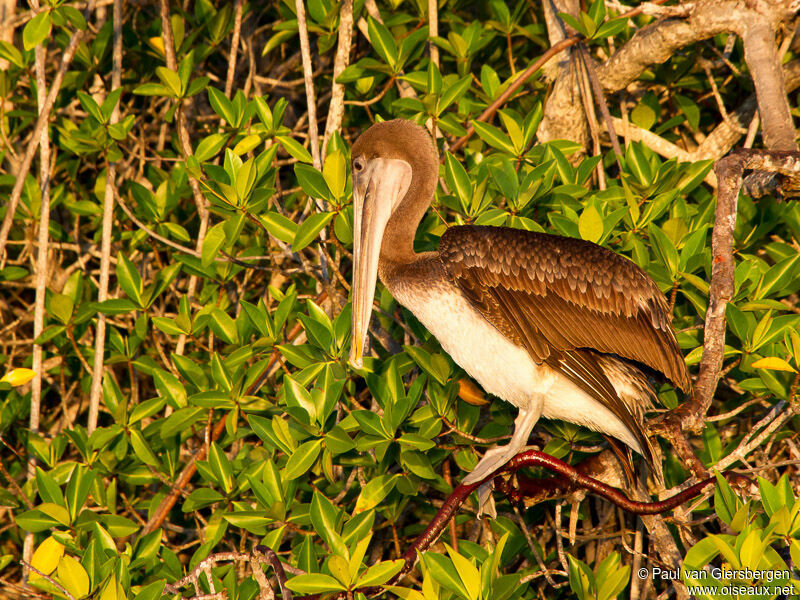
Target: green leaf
(726,503)
(89,104)
(210,146)
(302,459)
(221,467)
(666,249)
(643,115)
(310,229)
(212,244)
(688,108)
(35,521)
(11,54)
(442,570)
(119,526)
(221,105)
(590,224)
(60,307)
(454,92)
(73,577)
(36,30)
(493,136)
(224,326)
(335,173)
(279,226)
(49,490)
(457,179)
(142,449)
(151,89)
(611,28)
(312,181)
(168,326)
(579,26)
(170,79)
(467,572)
(247,144)
(152,591)
(383,42)
(170,387)
(129,279)
(380,573)
(254,521)
(294,148)
(315,583)
(374,492)
(77,491)
(581,578)
(418,463)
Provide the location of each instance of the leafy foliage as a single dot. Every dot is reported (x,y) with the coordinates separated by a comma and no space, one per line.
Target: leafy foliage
(229,338)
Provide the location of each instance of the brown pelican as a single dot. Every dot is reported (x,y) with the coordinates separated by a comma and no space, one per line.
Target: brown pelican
(559,327)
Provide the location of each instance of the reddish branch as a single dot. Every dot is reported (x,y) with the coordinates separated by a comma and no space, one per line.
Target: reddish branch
(568,478)
(487,114)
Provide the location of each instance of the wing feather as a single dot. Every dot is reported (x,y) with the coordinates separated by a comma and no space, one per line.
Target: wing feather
(567,302)
(573,293)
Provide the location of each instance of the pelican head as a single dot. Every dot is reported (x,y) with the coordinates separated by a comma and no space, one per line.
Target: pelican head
(394,167)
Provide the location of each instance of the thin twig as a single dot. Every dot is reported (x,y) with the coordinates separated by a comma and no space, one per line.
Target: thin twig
(433,30)
(108,221)
(340,62)
(773,421)
(237,30)
(487,114)
(33,144)
(29,567)
(311,102)
(40,58)
(186,150)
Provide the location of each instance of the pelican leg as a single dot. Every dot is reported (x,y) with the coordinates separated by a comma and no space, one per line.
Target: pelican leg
(499,455)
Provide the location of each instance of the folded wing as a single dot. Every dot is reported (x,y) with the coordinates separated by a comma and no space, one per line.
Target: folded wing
(565,300)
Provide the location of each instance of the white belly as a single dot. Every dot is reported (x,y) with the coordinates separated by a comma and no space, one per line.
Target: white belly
(503,368)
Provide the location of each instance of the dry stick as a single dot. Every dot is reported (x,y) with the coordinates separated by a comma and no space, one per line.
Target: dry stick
(729,175)
(774,420)
(108,222)
(308,70)
(433,29)
(237,31)
(220,259)
(487,114)
(340,62)
(186,150)
(40,54)
(259,556)
(30,151)
(7,10)
(600,99)
(277,566)
(761,56)
(583,85)
(29,567)
(311,102)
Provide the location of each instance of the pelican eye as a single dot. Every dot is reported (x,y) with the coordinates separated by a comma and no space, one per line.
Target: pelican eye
(358,164)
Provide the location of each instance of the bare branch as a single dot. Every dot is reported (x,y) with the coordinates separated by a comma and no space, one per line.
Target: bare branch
(340,62)
(30,151)
(108,221)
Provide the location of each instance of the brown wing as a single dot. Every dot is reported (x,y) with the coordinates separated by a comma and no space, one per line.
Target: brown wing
(564,300)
